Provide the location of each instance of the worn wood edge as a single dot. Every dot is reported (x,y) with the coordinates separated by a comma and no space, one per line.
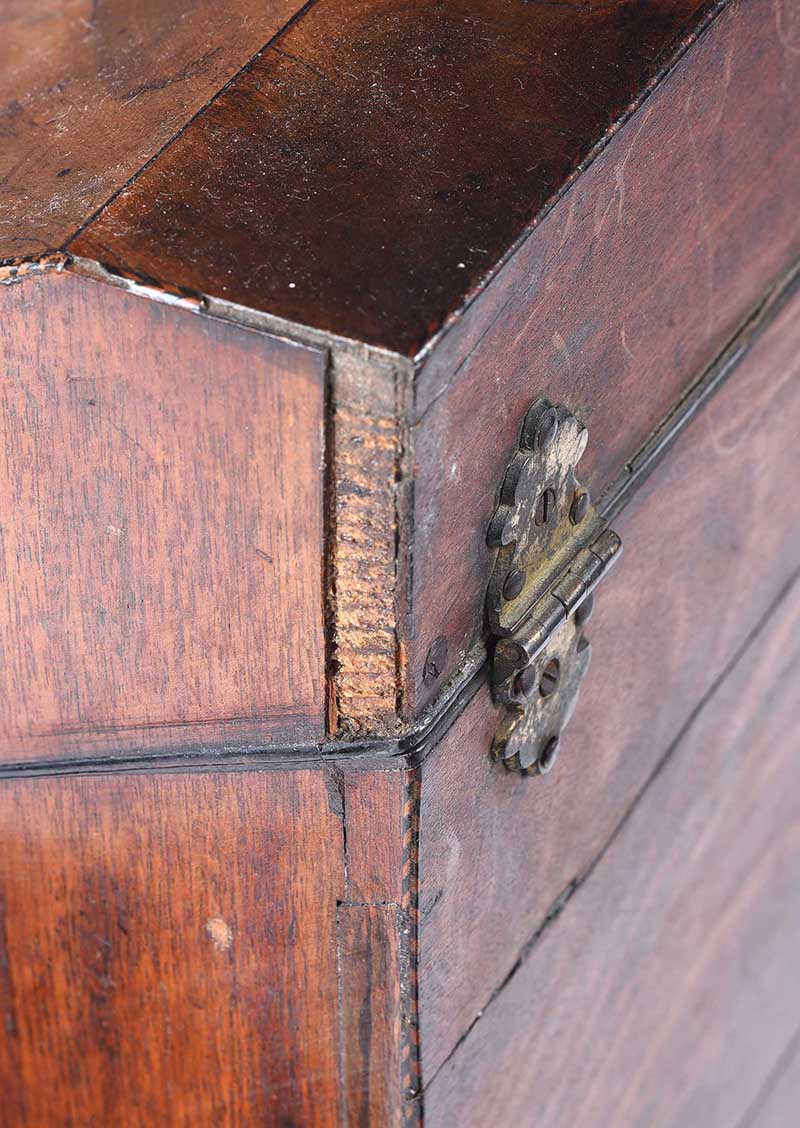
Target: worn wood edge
(274,326)
(560,903)
(16,270)
(706,18)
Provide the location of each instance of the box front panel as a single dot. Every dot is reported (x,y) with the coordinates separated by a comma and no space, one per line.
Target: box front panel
(711,541)
(168,949)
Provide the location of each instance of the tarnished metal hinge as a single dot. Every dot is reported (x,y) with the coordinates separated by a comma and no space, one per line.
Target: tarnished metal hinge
(553,548)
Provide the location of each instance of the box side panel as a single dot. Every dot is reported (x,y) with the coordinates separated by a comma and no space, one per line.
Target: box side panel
(162,528)
(667,987)
(711,541)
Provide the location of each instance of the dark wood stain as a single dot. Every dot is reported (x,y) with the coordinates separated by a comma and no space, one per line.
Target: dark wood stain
(618,300)
(157,931)
(89,91)
(161,506)
(369,169)
(665,990)
(711,540)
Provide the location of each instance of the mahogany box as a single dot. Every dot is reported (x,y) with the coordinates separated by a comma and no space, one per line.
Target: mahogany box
(352,354)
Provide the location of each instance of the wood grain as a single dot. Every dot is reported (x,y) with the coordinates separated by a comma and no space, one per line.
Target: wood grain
(375,944)
(371,1014)
(161,506)
(371,166)
(373,805)
(169,950)
(666,988)
(711,540)
(90,91)
(620,297)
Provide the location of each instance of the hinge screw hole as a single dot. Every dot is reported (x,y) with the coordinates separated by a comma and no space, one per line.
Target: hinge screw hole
(551,675)
(545,507)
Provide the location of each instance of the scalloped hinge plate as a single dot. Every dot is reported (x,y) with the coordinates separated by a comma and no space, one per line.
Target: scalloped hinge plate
(553,547)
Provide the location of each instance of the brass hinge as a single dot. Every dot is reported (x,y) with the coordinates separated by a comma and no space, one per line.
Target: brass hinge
(553,548)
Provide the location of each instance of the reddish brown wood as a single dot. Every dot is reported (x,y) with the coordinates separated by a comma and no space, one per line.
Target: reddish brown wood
(711,540)
(698,190)
(169,950)
(369,169)
(616,302)
(90,91)
(371,1015)
(373,806)
(376,938)
(161,505)
(665,990)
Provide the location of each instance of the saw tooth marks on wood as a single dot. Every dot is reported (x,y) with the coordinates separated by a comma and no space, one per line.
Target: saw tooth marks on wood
(363,542)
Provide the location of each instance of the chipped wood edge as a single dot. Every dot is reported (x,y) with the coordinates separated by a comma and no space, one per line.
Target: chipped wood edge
(17,270)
